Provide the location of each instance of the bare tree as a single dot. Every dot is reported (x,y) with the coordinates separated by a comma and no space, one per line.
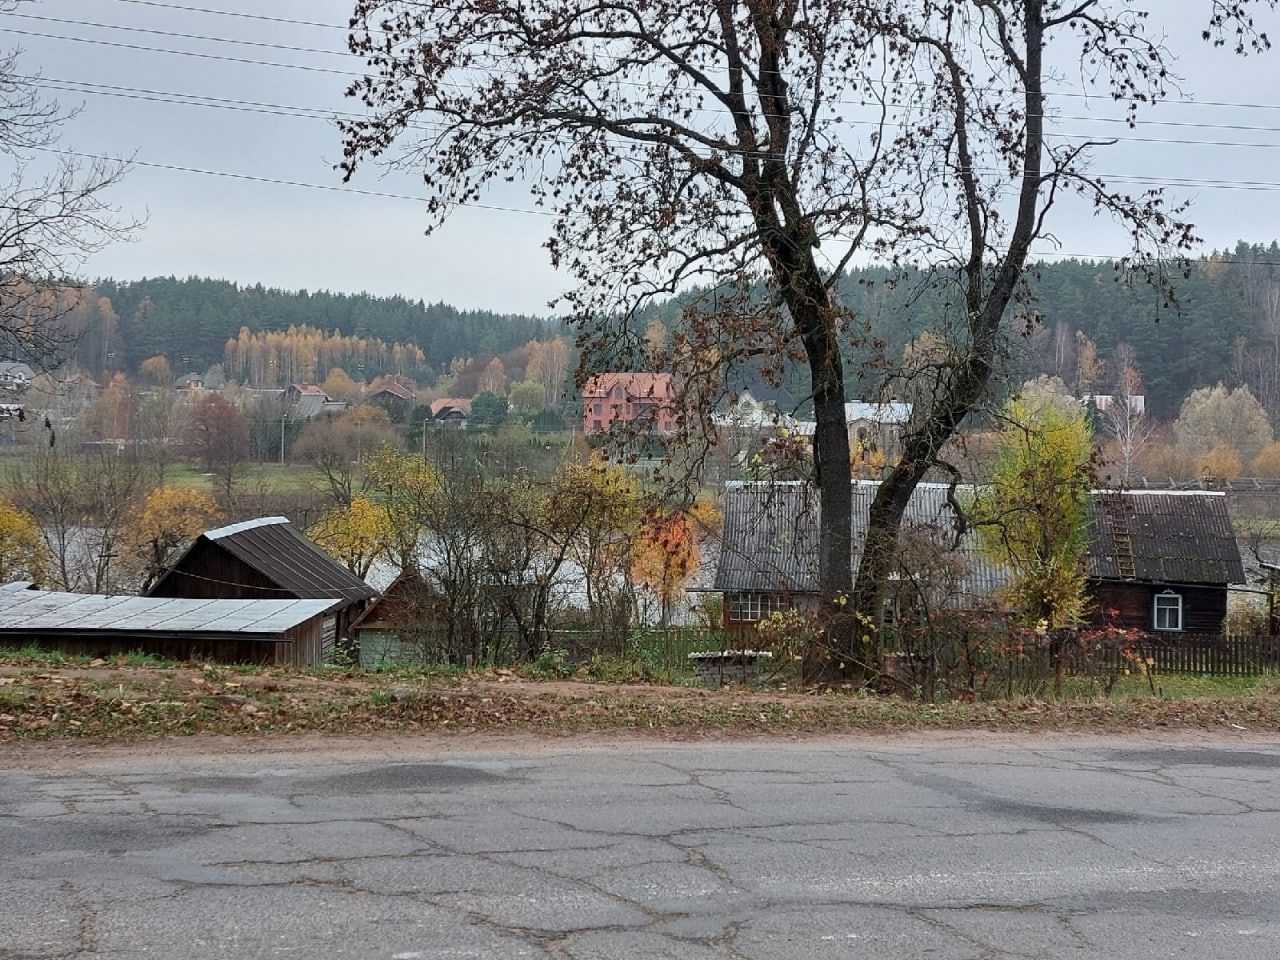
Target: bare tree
(1125,421)
(759,146)
(54,214)
(84,504)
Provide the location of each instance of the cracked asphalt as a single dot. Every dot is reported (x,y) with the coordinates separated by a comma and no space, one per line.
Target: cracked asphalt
(974,846)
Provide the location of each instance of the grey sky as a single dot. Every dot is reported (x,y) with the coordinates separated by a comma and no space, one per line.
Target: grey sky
(293,237)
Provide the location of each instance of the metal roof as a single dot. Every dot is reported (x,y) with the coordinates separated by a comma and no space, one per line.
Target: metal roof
(277,550)
(770,539)
(37,611)
(1174,537)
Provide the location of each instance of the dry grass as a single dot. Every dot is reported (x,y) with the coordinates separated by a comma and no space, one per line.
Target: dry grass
(121,701)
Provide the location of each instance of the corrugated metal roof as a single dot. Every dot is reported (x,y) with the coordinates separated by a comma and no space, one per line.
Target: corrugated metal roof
(1175,537)
(770,539)
(277,550)
(37,611)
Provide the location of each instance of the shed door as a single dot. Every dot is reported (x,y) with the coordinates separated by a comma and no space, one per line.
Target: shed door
(328,638)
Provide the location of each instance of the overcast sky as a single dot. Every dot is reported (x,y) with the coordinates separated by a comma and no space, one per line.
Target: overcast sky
(302,238)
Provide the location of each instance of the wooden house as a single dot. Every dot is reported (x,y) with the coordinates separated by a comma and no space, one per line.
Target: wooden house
(769,553)
(267,558)
(451,412)
(1161,560)
(1157,561)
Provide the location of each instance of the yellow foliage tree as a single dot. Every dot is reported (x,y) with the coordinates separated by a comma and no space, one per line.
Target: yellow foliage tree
(1222,461)
(170,518)
(667,554)
(605,503)
(1267,463)
(1032,517)
(407,487)
(357,535)
(23,552)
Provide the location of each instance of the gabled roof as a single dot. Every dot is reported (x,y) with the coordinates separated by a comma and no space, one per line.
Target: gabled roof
(770,539)
(276,549)
(1173,537)
(310,405)
(633,384)
(309,390)
(393,388)
(447,404)
(16,369)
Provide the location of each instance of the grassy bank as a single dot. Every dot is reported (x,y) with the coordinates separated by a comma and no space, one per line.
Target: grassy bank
(136,697)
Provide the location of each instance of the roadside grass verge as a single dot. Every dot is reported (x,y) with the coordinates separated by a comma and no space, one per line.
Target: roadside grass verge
(122,700)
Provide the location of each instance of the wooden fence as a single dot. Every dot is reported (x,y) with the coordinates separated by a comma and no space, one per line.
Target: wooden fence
(1212,655)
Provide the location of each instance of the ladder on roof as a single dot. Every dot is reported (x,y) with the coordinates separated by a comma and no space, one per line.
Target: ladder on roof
(1118,513)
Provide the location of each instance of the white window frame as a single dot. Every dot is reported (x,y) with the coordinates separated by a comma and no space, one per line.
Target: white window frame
(753,606)
(1157,607)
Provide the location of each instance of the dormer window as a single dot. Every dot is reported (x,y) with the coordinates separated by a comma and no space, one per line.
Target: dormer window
(1167,614)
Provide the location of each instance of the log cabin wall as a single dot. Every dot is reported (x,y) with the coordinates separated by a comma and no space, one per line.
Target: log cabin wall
(1131,605)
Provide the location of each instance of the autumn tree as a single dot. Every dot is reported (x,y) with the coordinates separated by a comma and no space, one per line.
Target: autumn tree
(494,377)
(527,398)
(336,446)
(217,435)
(611,503)
(1126,423)
(548,365)
(84,505)
(339,385)
(24,555)
(729,145)
(168,520)
(155,372)
(357,535)
(1032,516)
(666,556)
(1217,416)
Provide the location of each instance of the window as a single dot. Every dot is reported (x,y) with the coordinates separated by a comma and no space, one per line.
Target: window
(889,613)
(753,607)
(597,425)
(1168,611)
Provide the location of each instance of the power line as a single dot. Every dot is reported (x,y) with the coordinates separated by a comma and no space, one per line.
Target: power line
(279,181)
(1184,101)
(176,35)
(313,68)
(326,113)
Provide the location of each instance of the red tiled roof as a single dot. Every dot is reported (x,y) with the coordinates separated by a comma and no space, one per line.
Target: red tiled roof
(634,384)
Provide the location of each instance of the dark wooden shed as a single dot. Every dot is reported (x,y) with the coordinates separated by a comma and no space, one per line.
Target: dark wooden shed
(1161,560)
(267,559)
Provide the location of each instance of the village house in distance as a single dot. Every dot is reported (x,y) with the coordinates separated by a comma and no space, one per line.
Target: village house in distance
(643,401)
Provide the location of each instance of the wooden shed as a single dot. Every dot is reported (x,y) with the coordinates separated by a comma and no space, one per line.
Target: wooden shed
(233,631)
(1161,560)
(267,559)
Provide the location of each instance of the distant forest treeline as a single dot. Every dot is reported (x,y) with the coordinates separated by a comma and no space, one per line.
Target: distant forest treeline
(125,322)
(1226,327)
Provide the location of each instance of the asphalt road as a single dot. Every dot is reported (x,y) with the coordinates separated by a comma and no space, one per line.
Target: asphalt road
(897,848)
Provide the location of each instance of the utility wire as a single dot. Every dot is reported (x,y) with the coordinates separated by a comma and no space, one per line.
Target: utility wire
(325,113)
(1186,101)
(313,68)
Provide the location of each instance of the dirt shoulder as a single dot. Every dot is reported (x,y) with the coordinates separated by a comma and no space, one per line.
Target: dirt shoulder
(105,702)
